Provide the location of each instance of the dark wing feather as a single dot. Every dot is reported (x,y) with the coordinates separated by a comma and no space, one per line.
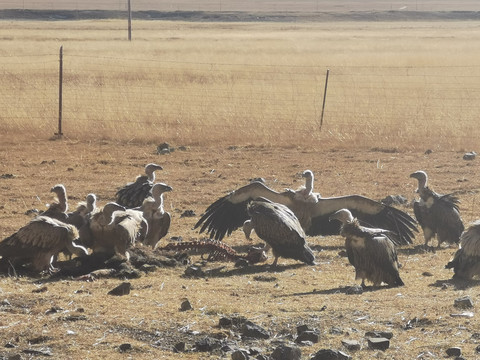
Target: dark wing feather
(157,229)
(382,251)
(133,194)
(369,212)
(230,211)
(279,227)
(448,223)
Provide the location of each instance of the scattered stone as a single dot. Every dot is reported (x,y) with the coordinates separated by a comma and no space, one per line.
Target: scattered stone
(329,354)
(284,352)
(125,347)
(342,253)
(206,344)
(379,334)
(5,302)
(265,278)
(182,148)
(252,330)
(188,213)
(15,357)
(477,349)
(32,212)
(379,343)
(464,302)
(336,331)
(148,268)
(39,340)
(302,328)
(427,273)
(164,148)
(417,322)
(7,176)
(454,351)
(53,310)
(42,352)
(10,345)
(122,289)
(465,314)
(308,335)
(40,290)
(224,322)
(179,347)
(428,151)
(239,355)
(395,200)
(74,318)
(351,345)
(354,290)
(194,271)
(185,306)
(469,155)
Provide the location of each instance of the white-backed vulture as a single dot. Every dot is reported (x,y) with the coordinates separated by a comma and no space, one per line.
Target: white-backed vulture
(466,262)
(230,212)
(39,242)
(58,209)
(133,194)
(306,193)
(114,230)
(437,214)
(157,218)
(278,226)
(370,251)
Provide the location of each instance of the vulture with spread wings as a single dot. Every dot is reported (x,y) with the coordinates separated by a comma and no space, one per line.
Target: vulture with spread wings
(229,212)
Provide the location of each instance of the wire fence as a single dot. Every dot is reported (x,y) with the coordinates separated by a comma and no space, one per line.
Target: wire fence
(129,96)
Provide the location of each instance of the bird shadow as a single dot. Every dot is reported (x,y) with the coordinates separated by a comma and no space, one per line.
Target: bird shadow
(347,290)
(456,283)
(251,269)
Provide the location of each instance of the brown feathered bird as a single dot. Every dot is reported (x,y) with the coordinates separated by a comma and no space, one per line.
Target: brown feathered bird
(229,212)
(466,262)
(58,209)
(157,218)
(437,214)
(278,226)
(370,251)
(133,194)
(114,230)
(39,242)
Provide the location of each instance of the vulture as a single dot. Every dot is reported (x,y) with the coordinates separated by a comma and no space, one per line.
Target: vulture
(157,219)
(229,212)
(278,226)
(133,194)
(58,210)
(39,242)
(114,229)
(466,262)
(370,251)
(437,214)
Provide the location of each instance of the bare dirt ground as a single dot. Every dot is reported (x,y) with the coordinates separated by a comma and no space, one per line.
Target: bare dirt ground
(69,318)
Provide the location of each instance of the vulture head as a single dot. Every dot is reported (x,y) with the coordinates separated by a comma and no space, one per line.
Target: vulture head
(61,195)
(160,188)
(343,215)
(248,228)
(110,208)
(422,178)
(150,170)
(308,174)
(91,202)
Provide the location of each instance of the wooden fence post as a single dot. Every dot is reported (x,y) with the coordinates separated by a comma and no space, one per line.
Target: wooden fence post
(60,93)
(324,98)
(129,21)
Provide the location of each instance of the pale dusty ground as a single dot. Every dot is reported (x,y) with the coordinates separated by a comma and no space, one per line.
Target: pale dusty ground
(149,318)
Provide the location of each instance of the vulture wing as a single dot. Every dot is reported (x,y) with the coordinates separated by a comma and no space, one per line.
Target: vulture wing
(369,212)
(230,211)
(133,194)
(448,223)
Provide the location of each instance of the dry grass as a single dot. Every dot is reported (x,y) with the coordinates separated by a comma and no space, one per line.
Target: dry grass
(197,83)
(149,318)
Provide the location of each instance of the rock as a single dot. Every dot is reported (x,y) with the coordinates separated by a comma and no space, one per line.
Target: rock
(252,330)
(308,335)
(329,354)
(122,289)
(302,328)
(464,302)
(284,352)
(15,357)
(428,151)
(10,345)
(395,200)
(188,213)
(454,351)
(379,343)
(477,349)
(379,334)
(148,268)
(354,290)
(351,345)
(335,330)
(5,302)
(185,306)
(125,347)
(469,155)
(179,347)
(206,344)
(224,322)
(239,355)
(194,271)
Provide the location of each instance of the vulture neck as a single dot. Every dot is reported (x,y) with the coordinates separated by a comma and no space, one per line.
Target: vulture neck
(62,201)
(159,202)
(309,185)
(150,175)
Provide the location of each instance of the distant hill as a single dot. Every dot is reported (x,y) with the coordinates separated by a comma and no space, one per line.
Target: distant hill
(238,16)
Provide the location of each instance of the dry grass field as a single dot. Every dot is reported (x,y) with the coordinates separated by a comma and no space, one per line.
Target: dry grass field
(75,319)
